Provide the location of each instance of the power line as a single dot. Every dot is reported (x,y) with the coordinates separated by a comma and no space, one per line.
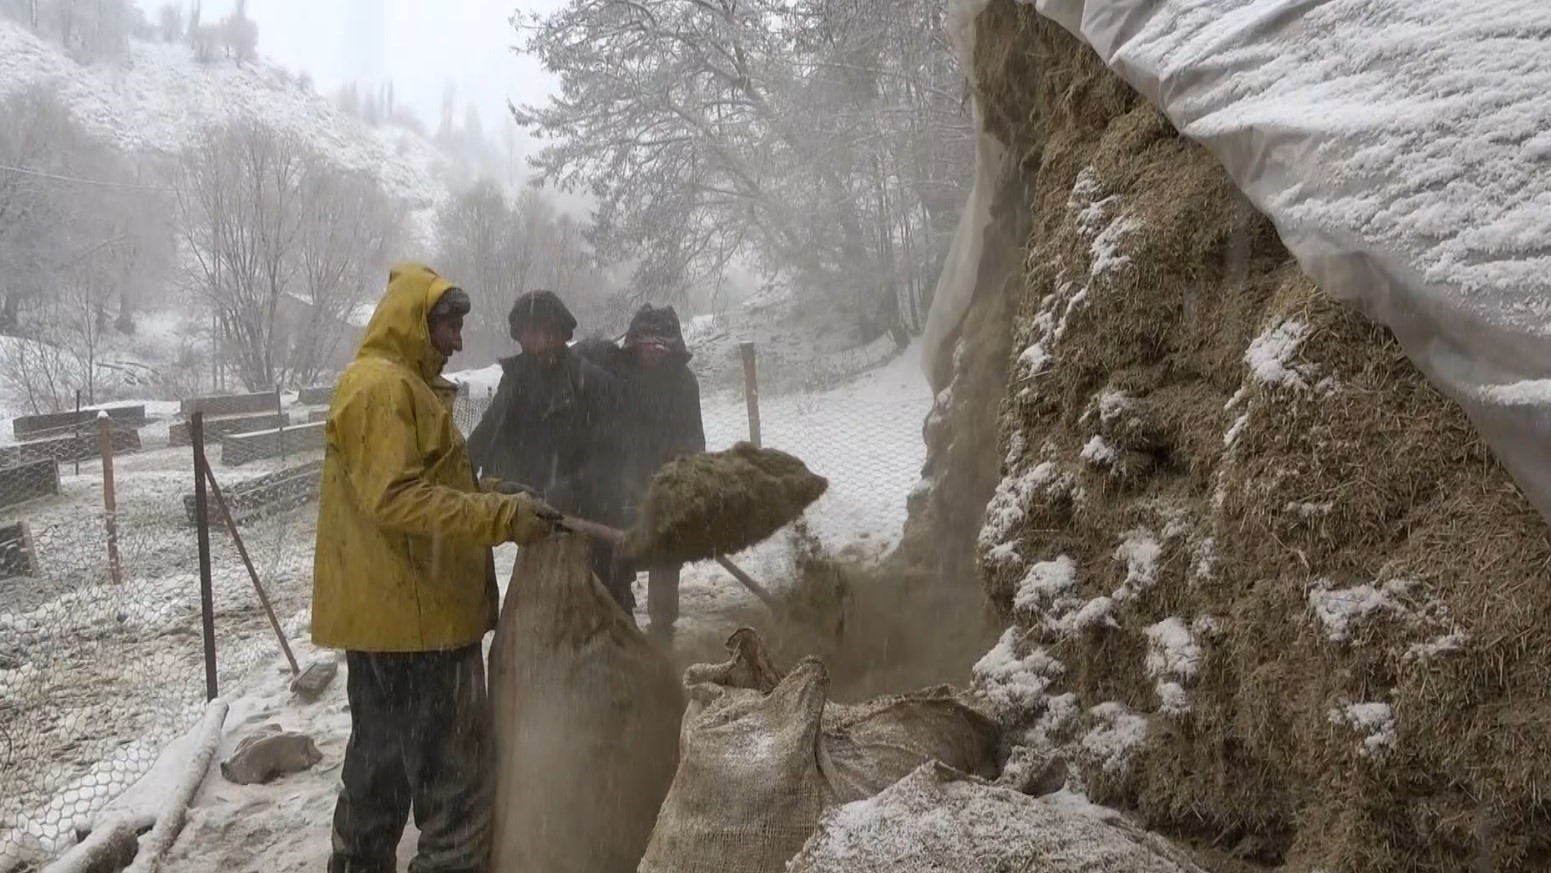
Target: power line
(76,180)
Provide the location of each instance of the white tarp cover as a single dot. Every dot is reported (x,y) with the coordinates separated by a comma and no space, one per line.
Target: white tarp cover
(956,284)
(1403,149)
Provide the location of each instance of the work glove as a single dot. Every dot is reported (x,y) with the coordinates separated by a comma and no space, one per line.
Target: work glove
(533,521)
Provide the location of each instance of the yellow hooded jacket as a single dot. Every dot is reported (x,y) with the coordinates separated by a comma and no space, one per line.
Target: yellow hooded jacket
(404,535)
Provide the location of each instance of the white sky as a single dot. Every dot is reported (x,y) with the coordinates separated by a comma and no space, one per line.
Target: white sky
(419,45)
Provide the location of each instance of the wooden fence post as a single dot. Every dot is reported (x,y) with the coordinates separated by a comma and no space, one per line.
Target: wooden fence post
(202,524)
(751,392)
(109,497)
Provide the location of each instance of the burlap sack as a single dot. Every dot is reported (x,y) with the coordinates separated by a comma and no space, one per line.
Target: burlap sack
(938,820)
(587,720)
(763,756)
(868,747)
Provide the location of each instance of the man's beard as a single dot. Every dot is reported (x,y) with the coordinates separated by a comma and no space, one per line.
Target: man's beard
(548,358)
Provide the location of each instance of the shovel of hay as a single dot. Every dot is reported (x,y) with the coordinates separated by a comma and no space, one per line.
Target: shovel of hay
(707,506)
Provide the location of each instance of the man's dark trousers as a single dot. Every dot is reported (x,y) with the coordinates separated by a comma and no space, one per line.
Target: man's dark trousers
(420,738)
(615,575)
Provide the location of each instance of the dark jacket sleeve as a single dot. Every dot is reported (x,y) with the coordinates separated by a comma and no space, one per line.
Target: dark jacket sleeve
(482,441)
(588,484)
(601,353)
(688,429)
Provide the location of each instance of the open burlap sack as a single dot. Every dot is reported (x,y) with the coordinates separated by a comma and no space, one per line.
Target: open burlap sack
(587,718)
(764,755)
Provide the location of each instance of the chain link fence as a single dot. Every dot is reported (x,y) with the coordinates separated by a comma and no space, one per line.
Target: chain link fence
(101,653)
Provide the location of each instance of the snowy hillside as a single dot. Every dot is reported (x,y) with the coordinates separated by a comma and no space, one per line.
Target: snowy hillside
(158,97)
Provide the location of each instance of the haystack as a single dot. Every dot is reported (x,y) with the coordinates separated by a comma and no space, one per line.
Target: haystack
(720,503)
(1266,586)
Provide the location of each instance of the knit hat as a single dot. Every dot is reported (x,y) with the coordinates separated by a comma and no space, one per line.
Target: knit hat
(453,303)
(658,322)
(541,307)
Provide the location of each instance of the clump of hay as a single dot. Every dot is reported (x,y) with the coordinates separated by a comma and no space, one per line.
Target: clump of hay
(1359,584)
(720,503)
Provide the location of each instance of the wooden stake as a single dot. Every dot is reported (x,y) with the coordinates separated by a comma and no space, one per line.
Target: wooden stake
(242,550)
(109,499)
(751,391)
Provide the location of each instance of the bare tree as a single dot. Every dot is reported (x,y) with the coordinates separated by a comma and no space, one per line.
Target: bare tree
(169,23)
(499,248)
(350,230)
(64,20)
(80,235)
(806,136)
(36,136)
(281,245)
(479,244)
(240,34)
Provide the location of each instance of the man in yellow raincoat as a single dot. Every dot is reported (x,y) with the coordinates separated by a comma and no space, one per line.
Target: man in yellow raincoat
(404,583)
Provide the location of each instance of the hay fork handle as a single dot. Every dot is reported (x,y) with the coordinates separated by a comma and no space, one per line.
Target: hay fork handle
(616,537)
(754,588)
(611,535)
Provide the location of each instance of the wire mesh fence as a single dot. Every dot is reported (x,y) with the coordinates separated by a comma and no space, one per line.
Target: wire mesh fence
(864,436)
(101,656)
(101,651)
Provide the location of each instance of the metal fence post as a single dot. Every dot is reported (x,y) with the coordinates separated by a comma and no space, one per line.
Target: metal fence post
(109,498)
(202,524)
(77,430)
(751,391)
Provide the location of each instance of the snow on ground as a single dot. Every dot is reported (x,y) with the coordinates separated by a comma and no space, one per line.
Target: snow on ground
(96,677)
(95,705)
(280,827)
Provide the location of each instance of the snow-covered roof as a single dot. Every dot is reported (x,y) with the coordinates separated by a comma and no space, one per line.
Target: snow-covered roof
(1403,149)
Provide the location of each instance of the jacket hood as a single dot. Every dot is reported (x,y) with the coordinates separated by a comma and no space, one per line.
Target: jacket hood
(541,306)
(661,322)
(399,330)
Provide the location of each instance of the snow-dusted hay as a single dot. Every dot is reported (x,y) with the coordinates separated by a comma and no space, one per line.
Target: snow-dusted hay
(1304,604)
(720,503)
(764,755)
(587,717)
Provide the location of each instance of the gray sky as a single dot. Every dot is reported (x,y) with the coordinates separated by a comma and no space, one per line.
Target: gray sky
(419,45)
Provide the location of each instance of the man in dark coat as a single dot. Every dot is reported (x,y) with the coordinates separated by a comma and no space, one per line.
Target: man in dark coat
(659,410)
(550,427)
